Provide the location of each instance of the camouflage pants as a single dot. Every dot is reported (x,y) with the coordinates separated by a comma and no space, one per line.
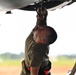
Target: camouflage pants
(24,70)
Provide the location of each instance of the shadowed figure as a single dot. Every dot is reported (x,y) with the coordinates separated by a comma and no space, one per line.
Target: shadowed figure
(36,60)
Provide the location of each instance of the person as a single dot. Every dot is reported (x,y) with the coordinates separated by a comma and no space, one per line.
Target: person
(37,44)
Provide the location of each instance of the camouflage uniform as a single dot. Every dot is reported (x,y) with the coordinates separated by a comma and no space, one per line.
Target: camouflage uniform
(35,54)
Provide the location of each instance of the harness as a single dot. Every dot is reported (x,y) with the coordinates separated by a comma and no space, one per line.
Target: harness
(44,70)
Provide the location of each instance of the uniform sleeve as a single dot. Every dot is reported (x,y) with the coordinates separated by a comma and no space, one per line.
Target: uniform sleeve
(37,55)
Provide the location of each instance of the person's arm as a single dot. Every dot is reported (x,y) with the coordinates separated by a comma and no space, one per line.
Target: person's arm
(41,16)
(34,70)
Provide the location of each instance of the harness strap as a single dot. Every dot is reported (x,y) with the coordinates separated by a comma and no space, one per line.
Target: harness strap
(28,68)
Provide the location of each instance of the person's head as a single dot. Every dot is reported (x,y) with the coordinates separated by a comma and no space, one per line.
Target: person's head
(51,38)
(45,35)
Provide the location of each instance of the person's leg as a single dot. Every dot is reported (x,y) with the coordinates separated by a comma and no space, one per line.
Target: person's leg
(45,68)
(24,70)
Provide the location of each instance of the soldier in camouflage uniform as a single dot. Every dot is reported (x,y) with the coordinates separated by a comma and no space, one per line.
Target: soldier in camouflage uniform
(36,49)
